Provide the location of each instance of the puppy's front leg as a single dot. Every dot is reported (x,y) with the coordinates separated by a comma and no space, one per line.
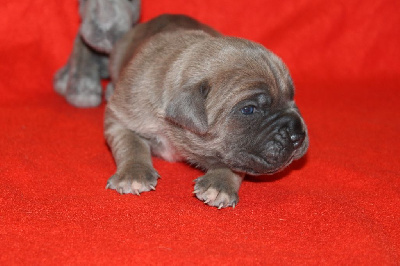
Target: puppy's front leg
(135,172)
(218,187)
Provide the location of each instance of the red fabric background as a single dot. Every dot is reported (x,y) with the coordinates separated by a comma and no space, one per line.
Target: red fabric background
(338,205)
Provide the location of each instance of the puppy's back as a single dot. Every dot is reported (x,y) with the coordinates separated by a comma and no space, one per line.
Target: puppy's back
(127,46)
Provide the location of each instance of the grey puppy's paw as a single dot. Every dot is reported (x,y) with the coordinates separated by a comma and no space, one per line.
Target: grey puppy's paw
(61,80)
(80,92)
(84,92)
(135,179)
(218,188)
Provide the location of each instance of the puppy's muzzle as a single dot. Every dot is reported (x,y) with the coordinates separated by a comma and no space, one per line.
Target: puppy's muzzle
(282,139)
(288,137)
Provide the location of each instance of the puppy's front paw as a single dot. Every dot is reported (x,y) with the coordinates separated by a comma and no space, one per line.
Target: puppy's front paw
(218,188)
(135,179)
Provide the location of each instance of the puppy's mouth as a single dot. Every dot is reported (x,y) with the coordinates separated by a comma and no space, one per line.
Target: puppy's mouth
(275,157)
(256,165)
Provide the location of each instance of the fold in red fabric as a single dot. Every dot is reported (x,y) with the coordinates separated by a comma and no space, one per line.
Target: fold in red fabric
(338,205)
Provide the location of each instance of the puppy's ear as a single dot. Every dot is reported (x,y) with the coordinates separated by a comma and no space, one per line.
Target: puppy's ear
(187,109)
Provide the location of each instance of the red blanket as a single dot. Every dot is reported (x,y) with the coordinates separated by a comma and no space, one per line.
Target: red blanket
(338,205)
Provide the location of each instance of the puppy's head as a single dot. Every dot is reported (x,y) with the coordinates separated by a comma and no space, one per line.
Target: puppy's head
(236,104)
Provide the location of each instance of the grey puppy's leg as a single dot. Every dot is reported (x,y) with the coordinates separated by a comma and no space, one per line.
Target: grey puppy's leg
(84,87)
(218,187)
(135,171)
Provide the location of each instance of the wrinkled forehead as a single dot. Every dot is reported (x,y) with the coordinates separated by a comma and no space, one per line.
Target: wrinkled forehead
(280,81)
(270,74)
(265,74)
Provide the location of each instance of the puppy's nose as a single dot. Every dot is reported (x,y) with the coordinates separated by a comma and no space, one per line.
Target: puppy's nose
(296,131)
(297,139)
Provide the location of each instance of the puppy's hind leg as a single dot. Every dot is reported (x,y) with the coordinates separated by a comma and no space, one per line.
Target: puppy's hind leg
(135,171)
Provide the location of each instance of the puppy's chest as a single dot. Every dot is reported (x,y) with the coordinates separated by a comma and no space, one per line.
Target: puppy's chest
(163,148)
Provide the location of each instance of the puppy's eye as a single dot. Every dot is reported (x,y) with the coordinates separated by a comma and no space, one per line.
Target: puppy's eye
(248,110)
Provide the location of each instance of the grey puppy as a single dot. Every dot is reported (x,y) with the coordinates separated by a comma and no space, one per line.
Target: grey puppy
(188,93)
(103,23)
